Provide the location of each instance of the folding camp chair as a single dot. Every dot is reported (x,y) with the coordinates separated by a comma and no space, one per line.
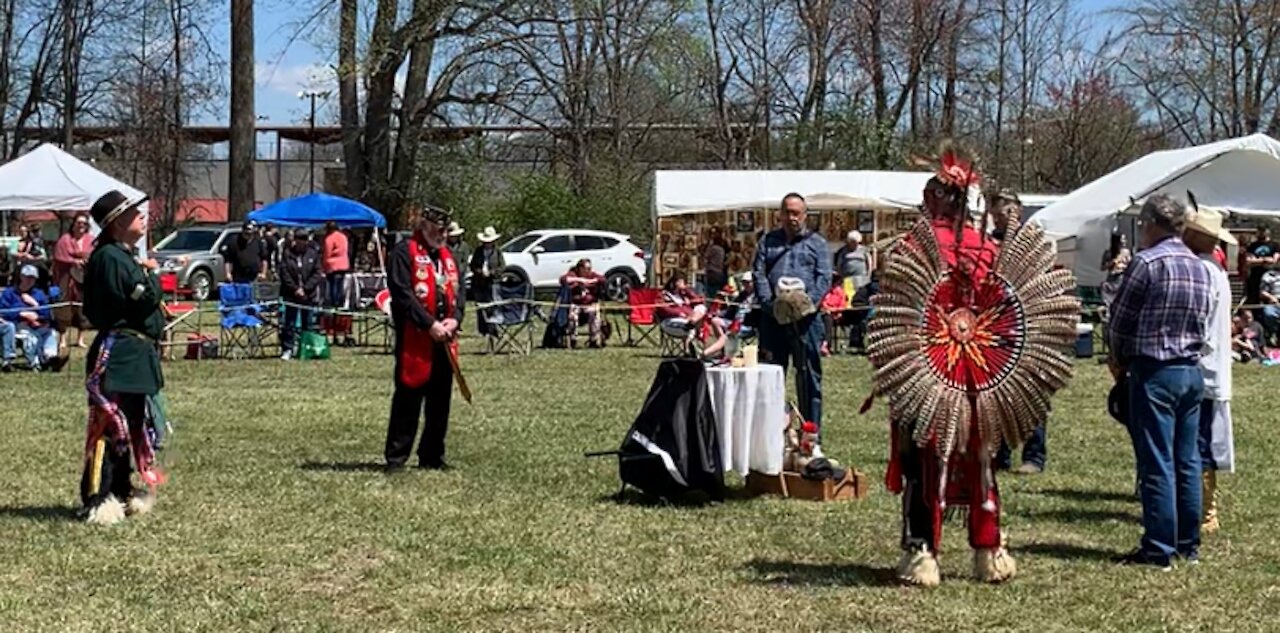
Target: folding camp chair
(642,323)
(510,318)
(241,332)
(266,295)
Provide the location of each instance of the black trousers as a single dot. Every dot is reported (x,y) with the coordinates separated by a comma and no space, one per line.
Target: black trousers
(431,402)
(109,473)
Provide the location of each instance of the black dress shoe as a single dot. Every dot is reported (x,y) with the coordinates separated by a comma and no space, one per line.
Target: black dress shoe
(393,468)
(1139,558)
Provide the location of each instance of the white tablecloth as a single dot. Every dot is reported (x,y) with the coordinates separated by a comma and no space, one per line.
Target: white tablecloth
(750,407)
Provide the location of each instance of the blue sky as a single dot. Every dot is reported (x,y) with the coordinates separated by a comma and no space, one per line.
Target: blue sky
(285,67)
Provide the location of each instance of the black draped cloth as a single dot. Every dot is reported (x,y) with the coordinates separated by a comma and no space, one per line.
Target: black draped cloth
(673,447)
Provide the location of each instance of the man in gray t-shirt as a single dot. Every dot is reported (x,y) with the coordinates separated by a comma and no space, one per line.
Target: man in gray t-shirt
(852,260)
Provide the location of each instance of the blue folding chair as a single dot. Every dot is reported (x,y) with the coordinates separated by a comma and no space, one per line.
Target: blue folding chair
(511,319)
(242,324)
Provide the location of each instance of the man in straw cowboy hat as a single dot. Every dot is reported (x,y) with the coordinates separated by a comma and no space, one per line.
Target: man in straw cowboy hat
(122,300)
(486,265)
(1202,235)
(426,310)
(455,240)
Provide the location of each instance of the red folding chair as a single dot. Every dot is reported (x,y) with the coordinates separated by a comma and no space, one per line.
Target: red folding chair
(643,319)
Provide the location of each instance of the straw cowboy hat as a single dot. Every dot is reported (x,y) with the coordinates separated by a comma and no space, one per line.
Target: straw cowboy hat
(455,230)
(488,235)
(1209,222)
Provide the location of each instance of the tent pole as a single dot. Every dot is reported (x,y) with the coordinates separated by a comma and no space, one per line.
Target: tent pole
(377,247)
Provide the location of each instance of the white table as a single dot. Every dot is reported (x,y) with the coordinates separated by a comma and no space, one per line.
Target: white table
(750,407)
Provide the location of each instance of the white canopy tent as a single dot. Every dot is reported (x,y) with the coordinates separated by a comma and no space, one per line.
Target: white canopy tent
(684,192)
(49,179)
(1240,175)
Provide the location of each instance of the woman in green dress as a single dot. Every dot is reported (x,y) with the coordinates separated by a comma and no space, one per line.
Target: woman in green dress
(122,301)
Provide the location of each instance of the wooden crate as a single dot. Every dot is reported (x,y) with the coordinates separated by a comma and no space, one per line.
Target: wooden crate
(855,485)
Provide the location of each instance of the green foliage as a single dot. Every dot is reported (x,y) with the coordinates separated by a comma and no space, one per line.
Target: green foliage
(513,203)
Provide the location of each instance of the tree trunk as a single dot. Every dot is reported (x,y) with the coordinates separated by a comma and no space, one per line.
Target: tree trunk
(349,100)
(243,119)
(379,103)
(413,110)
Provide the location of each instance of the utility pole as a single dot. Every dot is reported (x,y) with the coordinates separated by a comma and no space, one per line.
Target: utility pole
(313,95)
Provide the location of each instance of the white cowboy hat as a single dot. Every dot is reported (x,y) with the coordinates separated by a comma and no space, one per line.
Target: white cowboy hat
(455,230)
(1209,222)
(488,235)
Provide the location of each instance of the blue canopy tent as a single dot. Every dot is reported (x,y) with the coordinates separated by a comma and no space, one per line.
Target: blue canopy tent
(316,209)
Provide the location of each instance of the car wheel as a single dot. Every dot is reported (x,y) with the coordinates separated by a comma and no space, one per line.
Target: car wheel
(618,286)
(201,284)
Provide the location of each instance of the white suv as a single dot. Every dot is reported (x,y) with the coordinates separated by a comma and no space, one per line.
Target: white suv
(541,257)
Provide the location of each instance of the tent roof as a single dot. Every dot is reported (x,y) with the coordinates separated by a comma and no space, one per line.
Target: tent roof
(1241,174)
(49,179)
(316,209)
(681,192)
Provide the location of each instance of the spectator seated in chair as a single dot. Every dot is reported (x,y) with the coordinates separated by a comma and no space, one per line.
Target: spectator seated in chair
(684,315)
(27,307)
(1269,294)
(584,287)
(834,306)
(1248,338)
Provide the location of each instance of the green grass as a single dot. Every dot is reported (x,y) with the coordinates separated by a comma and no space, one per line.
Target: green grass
(275,518)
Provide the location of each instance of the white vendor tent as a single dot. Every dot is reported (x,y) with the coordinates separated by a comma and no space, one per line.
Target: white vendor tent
(685,192)
(49,179)
(1240,175)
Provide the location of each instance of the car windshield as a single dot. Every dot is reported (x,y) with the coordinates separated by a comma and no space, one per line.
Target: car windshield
(518,244)
(189,240)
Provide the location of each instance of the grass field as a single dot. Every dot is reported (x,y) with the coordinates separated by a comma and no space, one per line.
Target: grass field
(278,518)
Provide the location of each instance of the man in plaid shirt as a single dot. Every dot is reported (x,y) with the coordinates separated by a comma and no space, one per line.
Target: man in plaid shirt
(1157,330)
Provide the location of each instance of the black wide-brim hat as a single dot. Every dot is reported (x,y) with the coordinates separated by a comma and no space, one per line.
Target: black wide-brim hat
(111,206)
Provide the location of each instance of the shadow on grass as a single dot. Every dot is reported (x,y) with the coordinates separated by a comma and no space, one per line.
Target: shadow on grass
(778,572)
(344,467)
(1089,495)
(631,496)
(1064,551)
(1079,515)
(41,513)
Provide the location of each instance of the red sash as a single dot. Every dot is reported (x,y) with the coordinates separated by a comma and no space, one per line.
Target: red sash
(418,347)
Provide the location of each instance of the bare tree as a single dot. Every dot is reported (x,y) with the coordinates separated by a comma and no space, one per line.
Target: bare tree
(1208,69)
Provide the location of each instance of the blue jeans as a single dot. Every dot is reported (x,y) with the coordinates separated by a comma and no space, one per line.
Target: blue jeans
(38,344)
(1034,451)
(800,343)
(1165,427)
(7,346)
(295,320)
(337,289)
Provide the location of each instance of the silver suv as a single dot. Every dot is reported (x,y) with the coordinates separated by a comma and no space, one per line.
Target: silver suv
(192,253)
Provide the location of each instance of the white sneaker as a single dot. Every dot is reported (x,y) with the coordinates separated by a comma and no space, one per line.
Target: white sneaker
(286,356)
(817,451)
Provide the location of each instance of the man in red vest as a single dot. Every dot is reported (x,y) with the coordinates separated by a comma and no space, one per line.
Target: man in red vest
(426,309)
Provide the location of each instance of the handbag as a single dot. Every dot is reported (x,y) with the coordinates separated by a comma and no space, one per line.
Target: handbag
(314,346)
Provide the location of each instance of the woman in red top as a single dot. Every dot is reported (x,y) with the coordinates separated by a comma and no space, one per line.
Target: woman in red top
(336,263)
(69,257)
(584,302)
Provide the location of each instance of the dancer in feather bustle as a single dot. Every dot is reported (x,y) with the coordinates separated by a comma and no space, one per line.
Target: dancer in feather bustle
(969,340)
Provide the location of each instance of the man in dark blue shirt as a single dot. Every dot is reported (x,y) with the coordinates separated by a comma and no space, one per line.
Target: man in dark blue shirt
(797,253)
